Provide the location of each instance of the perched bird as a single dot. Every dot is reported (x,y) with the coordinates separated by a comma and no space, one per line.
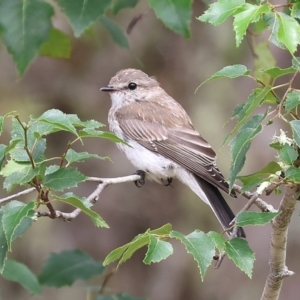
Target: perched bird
(164,143)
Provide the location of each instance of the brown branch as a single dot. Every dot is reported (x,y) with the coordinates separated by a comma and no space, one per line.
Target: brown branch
(278,269)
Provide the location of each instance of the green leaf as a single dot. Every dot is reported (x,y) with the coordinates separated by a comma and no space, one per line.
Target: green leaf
(17,272)
(242,112)
(115,31)
(278,72)
(125,252)
(73,156)
(57,46)
(90,132)
(288,32)
(292,101)
(296,63)
(293,174)
(262,175)
(175,14)
(219,11)
(58,119)
(63,179)
(218,239)
(84,206)
(228,72)
(2,154)
(82,13)
(241,144)
(288,154)
(157,250)
(246,218)
(12,167)
(78,123)
(68,266)
(13,213)
(273,23)
(239,251)
(25,26)
(295,11)
(264,59)
(1,124)
(121,4)
(246,14)
(18,178)
(3,243)
(295,124)
(200,245)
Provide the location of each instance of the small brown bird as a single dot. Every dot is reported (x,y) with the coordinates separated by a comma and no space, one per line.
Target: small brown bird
(164,143)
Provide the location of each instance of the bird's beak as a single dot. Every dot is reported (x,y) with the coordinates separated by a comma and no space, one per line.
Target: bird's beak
(108,88)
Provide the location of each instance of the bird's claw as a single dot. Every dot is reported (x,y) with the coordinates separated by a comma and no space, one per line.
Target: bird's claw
(139,183)
(169,181)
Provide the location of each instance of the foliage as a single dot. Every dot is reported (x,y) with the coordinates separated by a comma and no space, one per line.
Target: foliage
(23,160)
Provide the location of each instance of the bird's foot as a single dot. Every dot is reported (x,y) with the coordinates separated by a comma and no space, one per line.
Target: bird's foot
(139,183)
(169,181)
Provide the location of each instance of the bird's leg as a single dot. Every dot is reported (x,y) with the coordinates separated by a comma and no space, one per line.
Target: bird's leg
(169,181)
(141,182)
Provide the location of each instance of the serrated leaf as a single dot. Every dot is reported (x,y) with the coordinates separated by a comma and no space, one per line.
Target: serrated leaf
(17,272)
(2,154)
(262,175)
(157,250)
(264,59)
(246,14)
(278,72)
(295,10)
(78,123)
(293,174)
(36,149)
(242,112)
(19,178)
(84,206)
(288,154)
(219,11)
(246,218)
(62,269)
(12,167)
(1,124)
(57,46)
(83,13)
(121,4)
(295,124)
(273,23)
(228,72)
(175,14)
(200,245)
(241,144)
(239,251)
(63,178)
(292,101)
(20,33)
(288,32)
(13,213)
(218,239)
(125,252)
(296,63)
(58,119)
(115,32)
(90,132)
(73,156)
(3,243)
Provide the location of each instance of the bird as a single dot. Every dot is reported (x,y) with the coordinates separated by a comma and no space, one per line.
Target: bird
(162,143)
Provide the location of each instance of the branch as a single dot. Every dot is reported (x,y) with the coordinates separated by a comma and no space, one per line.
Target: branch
(278,269)
(93,197)
(17,195)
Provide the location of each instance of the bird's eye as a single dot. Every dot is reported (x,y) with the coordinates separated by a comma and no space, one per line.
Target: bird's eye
(132,86)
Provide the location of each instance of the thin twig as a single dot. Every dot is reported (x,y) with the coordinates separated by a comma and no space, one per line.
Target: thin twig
(3,200)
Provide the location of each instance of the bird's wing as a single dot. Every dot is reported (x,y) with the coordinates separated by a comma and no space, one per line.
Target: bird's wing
(181,143)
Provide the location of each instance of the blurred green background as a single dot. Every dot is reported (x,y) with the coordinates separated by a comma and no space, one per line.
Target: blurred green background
(180,65)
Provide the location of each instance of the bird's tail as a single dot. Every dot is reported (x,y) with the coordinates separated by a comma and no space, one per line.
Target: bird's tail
(218,204)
